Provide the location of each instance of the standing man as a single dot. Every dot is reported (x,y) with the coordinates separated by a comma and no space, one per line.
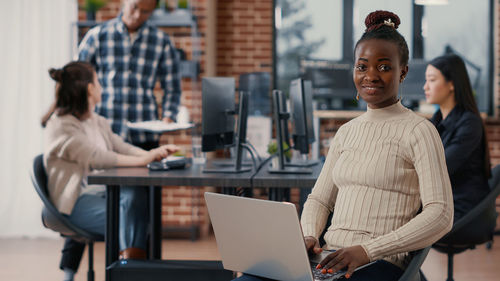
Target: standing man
(129,55)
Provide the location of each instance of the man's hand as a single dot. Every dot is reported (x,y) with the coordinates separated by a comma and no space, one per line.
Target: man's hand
(350,257)
(168,120)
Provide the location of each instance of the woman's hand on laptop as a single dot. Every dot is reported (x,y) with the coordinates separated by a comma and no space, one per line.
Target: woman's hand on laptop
(350,257)
(312,245)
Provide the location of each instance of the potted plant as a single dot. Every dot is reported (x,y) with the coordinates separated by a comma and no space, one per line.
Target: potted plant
(91,6)
(272,149)
(182,4)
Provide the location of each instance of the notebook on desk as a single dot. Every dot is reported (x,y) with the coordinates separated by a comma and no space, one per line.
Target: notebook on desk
(262,238)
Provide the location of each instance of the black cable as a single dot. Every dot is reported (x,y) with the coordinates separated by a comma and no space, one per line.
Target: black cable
(255,150)
(269,158)
(246,146)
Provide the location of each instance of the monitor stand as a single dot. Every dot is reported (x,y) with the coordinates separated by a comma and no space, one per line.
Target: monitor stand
(304,162)
(230,162)
(290,170)
(237,166)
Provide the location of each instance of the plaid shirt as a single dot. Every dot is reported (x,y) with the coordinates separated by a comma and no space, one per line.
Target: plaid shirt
(128,72)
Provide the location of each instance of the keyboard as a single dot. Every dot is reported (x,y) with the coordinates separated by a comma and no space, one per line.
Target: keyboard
(176,162)
(170,163)
(317,275)
(328,276)
(320,276)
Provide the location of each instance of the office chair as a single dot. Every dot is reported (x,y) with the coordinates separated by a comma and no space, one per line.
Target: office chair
(413,272)
(54,220)
(476,227)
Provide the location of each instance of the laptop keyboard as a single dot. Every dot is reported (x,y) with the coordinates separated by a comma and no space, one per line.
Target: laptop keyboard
(320,276)
(328,276)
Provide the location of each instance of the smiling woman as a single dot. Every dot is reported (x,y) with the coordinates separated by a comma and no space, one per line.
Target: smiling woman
(381,60)
(378,72)
(367,224)
(381,169)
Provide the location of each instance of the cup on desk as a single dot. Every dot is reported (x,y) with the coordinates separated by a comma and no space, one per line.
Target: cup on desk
(198,155)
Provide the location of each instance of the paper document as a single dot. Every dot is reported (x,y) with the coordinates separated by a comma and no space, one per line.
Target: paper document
(158,126)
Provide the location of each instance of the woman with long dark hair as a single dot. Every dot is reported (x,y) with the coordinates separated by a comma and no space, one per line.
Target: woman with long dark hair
(461,129)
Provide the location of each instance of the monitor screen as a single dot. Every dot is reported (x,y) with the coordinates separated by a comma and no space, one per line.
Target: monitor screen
(329,79)
(218,109)
(411,90)
(301,111)
(258,84)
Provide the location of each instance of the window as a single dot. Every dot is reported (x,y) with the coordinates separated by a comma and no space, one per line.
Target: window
(311,32)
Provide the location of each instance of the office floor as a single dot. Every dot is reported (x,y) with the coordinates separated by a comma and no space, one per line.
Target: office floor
(37,259)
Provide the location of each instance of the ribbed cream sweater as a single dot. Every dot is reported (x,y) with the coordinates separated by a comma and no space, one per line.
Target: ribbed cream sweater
(381,167)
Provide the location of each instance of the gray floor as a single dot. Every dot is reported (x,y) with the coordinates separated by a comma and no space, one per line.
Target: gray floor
(37,259)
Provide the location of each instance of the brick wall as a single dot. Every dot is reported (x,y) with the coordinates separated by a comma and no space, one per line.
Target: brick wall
(244,40)
(244,37)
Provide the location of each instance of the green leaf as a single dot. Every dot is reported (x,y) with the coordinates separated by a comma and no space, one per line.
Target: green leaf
(94,5)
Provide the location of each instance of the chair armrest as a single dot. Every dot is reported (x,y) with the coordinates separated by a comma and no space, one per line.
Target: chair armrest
(476,211)
(412,272)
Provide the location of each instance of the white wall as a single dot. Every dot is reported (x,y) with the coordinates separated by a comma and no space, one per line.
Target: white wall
(36,35)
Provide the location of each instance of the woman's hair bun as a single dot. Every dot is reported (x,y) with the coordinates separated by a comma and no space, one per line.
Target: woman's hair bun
(56,74)
(379,18)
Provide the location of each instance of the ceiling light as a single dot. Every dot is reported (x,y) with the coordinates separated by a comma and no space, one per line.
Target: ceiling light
(431,2)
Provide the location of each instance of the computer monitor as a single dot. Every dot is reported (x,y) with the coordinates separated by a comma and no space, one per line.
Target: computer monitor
(331,82)
(301,111)
(258,84)
(412,91)
(280,117)
(218,110)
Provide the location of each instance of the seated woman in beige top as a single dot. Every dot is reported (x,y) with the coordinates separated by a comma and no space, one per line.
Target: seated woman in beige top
(381,169)
(77,141)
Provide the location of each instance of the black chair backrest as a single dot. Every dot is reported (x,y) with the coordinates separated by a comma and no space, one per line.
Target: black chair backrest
(478,225)
(51,217)
(412,272)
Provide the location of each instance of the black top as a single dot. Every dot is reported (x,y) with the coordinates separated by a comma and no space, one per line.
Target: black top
(462,136)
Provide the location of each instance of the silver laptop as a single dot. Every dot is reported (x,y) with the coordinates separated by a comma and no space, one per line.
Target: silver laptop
(262,238)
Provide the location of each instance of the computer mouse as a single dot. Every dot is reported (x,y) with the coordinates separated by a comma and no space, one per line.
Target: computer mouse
(158,166)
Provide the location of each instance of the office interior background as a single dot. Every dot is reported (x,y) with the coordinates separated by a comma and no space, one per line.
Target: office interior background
(284,38)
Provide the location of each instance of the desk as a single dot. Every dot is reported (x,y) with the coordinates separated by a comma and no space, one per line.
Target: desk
(113,178)
(192,176)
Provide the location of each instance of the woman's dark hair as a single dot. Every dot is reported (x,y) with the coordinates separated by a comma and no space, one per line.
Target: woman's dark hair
(382,25)
(453,69)
(71,90)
